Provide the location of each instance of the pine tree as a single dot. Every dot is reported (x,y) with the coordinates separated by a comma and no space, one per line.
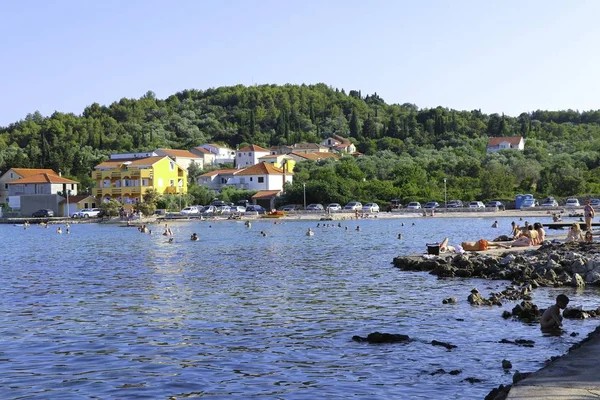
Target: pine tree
(354,125)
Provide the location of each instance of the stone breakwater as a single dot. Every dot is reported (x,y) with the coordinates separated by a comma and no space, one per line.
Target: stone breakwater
(554,265)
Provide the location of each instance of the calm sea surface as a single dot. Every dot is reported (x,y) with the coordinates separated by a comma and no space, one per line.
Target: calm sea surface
(108,312)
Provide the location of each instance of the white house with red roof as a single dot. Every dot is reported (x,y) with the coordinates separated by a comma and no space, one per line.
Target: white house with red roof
(217,179)
(223,154)
(263,176)
(44,190)
(14,174)
(249,155)
(339,144)
(505,142)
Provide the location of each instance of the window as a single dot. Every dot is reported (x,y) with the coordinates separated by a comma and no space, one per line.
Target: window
(250,179)
(93,205)
(86,205)
(261,179)
(171,182)
(145,182)
(6,186)
(172,165)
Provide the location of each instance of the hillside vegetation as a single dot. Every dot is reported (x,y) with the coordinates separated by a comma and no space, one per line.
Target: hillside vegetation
(407,151)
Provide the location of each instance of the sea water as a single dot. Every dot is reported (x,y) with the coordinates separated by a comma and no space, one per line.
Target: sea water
(109,312)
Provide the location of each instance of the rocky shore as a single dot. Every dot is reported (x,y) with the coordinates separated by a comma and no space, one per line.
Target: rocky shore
(550,265)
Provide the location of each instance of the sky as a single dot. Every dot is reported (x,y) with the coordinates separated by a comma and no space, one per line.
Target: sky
(498,56)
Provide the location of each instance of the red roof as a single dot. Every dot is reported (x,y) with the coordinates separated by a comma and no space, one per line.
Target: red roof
(202,150)
(25,172)
(261,194)
(42,178)
(263,168)
(254,148)
(514,140)
(178,153)
(222,172)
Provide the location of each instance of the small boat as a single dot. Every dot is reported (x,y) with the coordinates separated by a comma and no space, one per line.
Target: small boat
(274,214)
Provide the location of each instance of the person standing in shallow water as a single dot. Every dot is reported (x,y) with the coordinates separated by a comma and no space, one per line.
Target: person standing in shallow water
(589,213)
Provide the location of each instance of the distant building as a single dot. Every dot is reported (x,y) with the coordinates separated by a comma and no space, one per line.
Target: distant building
(216,180)
(127,180)
(249,155)
(298,157)
(279,161)
(263,176)
(223,154)
(127,156)
(339,144)
(17,173)
(73,204)
(507,142)
(44,190)
(182,157)
(208,158)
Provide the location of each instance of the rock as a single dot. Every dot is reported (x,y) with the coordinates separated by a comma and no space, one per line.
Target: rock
(577,280)
(550,275)
(438,372)
(575,313)
(518,376)
(443,344)
(449,300)
(472,380)
(499,393)
(519,342)
(506,314)
(476,299)
(376,337)
(574,334)
(593,277)
(526,311)
(506,364)
(455,372)
(552,264)
(579,266)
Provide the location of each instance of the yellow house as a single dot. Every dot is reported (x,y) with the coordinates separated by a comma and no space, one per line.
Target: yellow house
(126,180)
(279,161)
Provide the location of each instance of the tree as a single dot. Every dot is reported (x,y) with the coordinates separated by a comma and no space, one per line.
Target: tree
(148,206)
(110,208)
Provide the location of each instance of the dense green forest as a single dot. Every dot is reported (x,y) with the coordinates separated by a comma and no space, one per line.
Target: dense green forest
(407,151)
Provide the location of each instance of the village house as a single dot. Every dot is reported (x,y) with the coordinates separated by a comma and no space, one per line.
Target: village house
(223,154)
(496,144)
(339,144)
(215,180)
(128,179)
(207,157)
(279,161)
(17,173)
(249,155)
(44,190)
(72,204)
(182,157)
(298,157)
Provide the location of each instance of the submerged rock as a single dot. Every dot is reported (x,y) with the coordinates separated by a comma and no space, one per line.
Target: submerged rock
(506,364)
(449,300)
(376,337)
(443,344)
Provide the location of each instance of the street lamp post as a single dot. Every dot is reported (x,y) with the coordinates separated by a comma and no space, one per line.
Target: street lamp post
(445,196)
(68,214)
(304,184)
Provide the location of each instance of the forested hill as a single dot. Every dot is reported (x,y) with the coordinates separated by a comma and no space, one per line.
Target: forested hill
(412,149)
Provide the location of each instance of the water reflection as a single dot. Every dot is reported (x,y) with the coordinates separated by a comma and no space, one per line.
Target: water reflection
(111,312)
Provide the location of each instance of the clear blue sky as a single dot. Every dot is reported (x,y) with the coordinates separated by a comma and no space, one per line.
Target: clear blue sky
(500,56)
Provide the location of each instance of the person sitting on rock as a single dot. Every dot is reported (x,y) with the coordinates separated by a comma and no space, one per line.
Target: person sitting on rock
(516,229)
(589,238)
(443,245)
(551,319)
(533,235)
(482,245)
(540,231)
(575,234)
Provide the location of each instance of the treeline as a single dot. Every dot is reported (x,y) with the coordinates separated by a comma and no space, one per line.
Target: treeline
(407,151)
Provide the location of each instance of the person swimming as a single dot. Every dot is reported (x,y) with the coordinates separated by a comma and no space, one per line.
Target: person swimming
(309,232)
(194,237)
(59,230)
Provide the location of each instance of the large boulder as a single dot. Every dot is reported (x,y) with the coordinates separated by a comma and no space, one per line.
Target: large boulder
(577,280)
(593,277)
(579,266)
(377,337)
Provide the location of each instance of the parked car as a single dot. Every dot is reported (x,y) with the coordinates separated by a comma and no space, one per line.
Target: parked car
(476,204)
(190,210)
(334,207)
(431,205)
(495,203)
(44,212)
(256,208)
(550,202)
(238,209)
(290,207)
(395,204)
(371,207)
(224,209)
(87,213)
(353,205)
(527,203)
(414,205)
(572,203)
(209,210)
(315,207)
(455,204)
(595,202)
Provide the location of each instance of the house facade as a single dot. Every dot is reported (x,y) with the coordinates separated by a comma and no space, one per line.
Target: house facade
(73,204)
(207,157)
(339,144)
(496,144)
(223,154)
(17,173)
(216,180)
(127,180)
(298,157)
(279,161)
(39,191)
(249,156)
(263,176)
(182,157)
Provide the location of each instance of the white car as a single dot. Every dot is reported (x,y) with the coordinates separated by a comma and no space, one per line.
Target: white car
(476,204)
(238,209)
(353,205)
(414,205)
(190,210)
(371,207)
(334,207)
(572,203)
(87,213)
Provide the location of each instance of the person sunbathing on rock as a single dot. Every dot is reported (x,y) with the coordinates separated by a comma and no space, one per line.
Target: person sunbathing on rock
(551,320)
(443,245)
(482,245)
